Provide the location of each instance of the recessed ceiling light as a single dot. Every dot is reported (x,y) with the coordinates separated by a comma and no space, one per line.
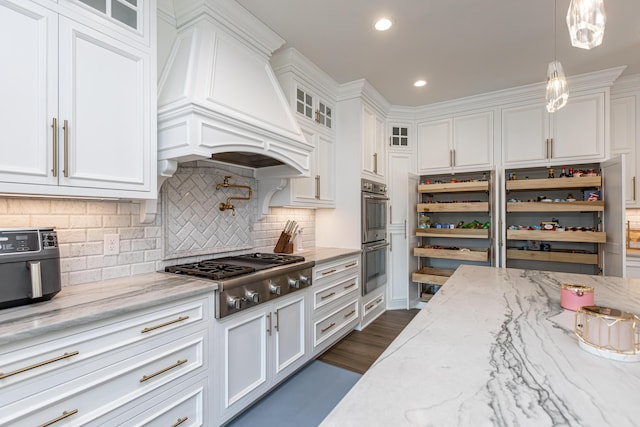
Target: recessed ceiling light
(420,83)
(383,24)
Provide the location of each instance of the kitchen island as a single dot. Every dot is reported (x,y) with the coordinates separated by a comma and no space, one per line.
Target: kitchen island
(494,347)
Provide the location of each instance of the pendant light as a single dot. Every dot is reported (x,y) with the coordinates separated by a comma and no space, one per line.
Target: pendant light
(586,20)
(557,92)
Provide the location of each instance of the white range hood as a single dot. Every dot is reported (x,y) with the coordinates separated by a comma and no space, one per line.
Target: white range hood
(218,98)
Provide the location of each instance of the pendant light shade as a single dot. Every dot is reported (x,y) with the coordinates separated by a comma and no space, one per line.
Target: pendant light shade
(557,92)
(586,20)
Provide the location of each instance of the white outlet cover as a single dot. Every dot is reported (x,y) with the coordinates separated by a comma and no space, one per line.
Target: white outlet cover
(111,244)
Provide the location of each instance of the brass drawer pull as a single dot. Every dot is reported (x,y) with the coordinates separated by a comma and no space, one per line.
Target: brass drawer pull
(324,273)
(328,295)
(180,421)
(349,314)
(327,328)
(37,365)
(65,127)
(351,265)
(54,126)
(162,371)
(64,415)
(170,322)
(370,305)
(350,286)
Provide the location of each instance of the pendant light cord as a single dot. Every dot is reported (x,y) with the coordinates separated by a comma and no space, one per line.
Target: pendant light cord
(555,31)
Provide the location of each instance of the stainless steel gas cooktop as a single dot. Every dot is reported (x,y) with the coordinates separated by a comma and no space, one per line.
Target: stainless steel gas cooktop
(251,279)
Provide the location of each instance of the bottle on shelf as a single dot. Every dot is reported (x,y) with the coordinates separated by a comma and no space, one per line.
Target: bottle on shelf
(551,173)
(563,173)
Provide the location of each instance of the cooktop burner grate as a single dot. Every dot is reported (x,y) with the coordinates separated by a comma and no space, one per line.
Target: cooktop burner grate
(210,269)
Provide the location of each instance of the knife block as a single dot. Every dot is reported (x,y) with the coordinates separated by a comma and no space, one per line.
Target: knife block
(283,246)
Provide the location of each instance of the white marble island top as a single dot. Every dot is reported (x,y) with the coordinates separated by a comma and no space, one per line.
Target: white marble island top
(494,347)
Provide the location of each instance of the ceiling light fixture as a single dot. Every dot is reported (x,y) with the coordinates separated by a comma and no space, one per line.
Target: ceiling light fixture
(383,24)
(420,83)
(557,92)
(586,20)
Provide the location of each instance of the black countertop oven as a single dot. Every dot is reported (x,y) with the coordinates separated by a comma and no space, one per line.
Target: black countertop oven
(29,266)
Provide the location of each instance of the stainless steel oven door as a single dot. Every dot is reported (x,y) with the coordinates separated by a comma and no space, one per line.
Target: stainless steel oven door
(374,266)
(374,218)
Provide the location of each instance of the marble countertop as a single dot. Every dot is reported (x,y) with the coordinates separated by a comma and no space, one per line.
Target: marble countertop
(79,304)
(320,254)
(494,347)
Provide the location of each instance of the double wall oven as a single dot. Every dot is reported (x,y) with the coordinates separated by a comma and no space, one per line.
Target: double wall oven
(374,235)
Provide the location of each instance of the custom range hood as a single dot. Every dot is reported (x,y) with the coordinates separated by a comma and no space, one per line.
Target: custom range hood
(218,98)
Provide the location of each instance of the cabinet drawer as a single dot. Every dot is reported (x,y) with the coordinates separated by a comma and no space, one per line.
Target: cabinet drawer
(103,390)
(63,358)
(332,292)
(61,354)
(185,407)
(333,323)
(335,268)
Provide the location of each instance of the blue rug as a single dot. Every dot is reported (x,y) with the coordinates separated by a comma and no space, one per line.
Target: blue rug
(303,400)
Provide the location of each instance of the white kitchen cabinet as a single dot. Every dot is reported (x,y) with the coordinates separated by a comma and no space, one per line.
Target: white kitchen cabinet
(94,372)
(373,305)
(318,190)
(79,107)
(373,143)
(335,301)
(312,107)
(400,136)
(402,221)
(259,348)
(623,141)
(576,133)
(460,143)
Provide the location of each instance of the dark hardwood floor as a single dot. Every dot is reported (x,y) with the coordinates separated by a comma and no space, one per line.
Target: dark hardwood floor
(358,350)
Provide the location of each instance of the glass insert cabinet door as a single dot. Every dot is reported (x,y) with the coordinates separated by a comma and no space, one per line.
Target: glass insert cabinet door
(123,11)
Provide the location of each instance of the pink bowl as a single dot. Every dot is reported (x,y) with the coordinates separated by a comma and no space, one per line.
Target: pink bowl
(572,297)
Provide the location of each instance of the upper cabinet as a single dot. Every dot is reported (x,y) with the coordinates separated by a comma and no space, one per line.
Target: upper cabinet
(623,141)
(312,107)
(576,133)
(460,143)
(373,143)
(311,95)
(78,107)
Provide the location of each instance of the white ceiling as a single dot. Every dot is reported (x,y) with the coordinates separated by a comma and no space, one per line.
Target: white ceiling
(461,47)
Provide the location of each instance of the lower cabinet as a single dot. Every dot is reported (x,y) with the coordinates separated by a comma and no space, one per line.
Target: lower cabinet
(335,296)
(101,371)
(257,350)
(373,305)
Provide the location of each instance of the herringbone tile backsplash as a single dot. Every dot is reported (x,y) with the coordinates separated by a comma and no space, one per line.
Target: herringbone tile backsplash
(194,224)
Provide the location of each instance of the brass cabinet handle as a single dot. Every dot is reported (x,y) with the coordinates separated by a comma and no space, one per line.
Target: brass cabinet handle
(162,325)
(327,328)
(546,153)
(351,265)
(180,421)
(162,371)
(390,214)
(368,307)
(54,126)
(277,326)
(454,157)
(551,149)
(634,188)
(328,295)
(65,414)
(317,116)
(405,229)
(269,327)
(349,314)
(375,162)
(350,286)
(318,187)
(324,273)
(65,171)
(37,365)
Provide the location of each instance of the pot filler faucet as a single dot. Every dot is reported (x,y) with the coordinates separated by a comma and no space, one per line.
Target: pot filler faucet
(227,205)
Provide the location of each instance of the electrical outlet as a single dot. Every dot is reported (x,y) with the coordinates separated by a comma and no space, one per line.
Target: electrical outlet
(111,244)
